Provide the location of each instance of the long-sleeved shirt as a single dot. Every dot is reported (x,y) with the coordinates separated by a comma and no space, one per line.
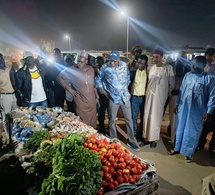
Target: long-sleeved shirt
(115,81)
(5,82)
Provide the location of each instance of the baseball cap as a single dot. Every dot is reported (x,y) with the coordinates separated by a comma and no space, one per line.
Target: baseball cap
(114,55)
(27,54)
(158,50)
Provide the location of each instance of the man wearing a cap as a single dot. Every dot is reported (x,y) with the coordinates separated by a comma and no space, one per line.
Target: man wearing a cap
(7,92)
(161,81)
(194,107)
(30,82)
(113,80)
(78,80)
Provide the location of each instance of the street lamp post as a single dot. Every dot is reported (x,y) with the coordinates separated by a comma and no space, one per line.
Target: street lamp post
(127,33)
(68,37)
(127,37)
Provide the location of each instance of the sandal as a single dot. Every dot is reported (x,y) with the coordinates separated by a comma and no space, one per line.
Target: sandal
(172,152)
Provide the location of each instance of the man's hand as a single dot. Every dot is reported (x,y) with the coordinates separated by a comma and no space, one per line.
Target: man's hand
(102,91)
(176,110)
(207,118)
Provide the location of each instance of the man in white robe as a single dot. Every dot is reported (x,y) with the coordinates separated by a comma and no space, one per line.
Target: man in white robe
(160,84)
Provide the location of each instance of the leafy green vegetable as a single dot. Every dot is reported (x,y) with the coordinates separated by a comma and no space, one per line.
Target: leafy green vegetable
(76,170)
(35,139)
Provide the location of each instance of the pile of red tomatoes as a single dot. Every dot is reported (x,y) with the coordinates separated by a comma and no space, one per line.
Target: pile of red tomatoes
(118,165)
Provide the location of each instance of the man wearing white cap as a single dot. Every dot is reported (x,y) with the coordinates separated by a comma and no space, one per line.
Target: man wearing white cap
(30,82)
(195,104)
(113,80)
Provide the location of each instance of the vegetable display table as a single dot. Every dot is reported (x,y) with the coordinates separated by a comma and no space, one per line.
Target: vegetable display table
(55,138)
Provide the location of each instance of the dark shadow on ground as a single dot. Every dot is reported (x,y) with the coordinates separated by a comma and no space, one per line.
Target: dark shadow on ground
(201,157)
(166,188)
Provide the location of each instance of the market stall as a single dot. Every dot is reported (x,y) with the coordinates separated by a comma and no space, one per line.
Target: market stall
(68,157)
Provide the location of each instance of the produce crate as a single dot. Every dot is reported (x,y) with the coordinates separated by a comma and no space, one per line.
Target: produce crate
(149,183)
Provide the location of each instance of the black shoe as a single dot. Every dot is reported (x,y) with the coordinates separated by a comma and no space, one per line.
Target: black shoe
(140,143)
(153,144)
(172,152)
(189,159)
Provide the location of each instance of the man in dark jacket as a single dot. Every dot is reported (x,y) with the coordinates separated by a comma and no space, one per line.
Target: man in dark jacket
(56,93)
(30,82)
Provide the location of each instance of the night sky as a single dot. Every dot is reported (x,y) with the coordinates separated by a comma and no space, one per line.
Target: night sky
(98,25)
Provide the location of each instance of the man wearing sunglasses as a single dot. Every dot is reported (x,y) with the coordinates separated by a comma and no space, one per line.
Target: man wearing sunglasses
(113,80)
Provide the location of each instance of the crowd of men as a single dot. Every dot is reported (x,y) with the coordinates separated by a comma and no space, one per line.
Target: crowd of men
(93,86)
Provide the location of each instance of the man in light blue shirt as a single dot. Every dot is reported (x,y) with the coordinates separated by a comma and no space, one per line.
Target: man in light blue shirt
(113,80)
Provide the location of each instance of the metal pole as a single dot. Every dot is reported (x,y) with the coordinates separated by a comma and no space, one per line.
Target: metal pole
(70,45)
(127,37)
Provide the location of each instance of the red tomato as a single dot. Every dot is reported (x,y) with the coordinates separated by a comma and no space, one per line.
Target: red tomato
(115,183)
(114,165)
(103,160)
(128,167)
(139,171)
(111,159)
(121,165)
(85,145)
(104,183)
(111,186)
(111,170)
(113,145)
(93,140)
(126,178)
(107,176)
(136,159)
(144,166)
(103,150)
(116,159)
(101,145)
(133,171)
(115,153)
(90,145)
(136,177)
(121,154)
(107,146)
(126,171)
(107,163)
(132,164)
(110,180)
(127,151)
(114,175)
(118,146)
(119,173)
(109,153)
(121,160)
(105,169)
(132,180)
(139,166)
(120,179)
(101,191)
